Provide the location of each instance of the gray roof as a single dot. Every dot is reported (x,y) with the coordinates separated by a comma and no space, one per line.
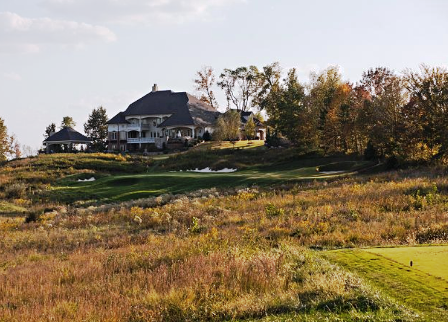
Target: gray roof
(184,109)
(67,134)
(118,119)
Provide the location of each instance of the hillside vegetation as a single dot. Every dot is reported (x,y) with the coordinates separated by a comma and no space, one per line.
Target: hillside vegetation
(229,253)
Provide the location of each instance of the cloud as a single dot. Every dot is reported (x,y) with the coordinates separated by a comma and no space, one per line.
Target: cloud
(135,11)
(20,34)
(12,76)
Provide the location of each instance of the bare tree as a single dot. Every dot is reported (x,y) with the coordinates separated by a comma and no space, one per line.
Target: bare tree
(203,84)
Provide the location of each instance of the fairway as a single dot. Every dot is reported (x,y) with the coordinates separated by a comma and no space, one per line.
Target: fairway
(154,183)
(429,259)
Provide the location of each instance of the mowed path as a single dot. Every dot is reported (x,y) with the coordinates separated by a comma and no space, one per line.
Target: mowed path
(422,291)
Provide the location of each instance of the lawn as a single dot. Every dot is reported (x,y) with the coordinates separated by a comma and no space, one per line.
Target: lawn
(419,288)
(429,259)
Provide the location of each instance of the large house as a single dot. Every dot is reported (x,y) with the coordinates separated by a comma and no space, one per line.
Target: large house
(159,117)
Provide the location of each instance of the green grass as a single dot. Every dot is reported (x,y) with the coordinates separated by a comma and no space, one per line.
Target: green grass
(134,186)
(432,260)
(423,292)
(9,208)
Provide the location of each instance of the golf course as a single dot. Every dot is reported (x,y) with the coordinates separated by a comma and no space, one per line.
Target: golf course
(259,235)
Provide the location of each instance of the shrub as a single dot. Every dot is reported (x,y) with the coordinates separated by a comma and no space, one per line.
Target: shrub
(15,190)
(273,211)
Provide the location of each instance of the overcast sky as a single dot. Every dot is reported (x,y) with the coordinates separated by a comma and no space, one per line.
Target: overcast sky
(66,57)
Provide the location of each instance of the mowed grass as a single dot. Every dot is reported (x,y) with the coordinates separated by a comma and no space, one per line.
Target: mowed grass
(420,289)
(135,186)
(429,259)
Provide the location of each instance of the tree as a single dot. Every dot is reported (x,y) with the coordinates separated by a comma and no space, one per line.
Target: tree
(228,126)
(240,86)
(250,128)
(67,121)
(49,130)
(383,114)
(15,151)
(96,128)
(203,84)
(290,115)
(321,101)
(5,141)
(270,80)
(428,90)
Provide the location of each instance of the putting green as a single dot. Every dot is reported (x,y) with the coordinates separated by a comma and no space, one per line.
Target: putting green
(429,259)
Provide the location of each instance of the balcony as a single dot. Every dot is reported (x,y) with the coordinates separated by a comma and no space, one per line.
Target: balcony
(141,140)
(133,127)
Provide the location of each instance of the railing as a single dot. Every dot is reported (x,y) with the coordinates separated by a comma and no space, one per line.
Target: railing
(141,140)
(133,127)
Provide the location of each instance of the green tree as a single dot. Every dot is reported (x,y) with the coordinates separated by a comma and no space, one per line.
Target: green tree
(67,121)
(290,115)
(96,128)
(50,129)
(228,126)
(383,111)
(5,141)
(250,128)
(270,79)
(240,86)
(204,83)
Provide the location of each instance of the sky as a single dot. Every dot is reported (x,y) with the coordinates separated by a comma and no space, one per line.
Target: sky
(66,57)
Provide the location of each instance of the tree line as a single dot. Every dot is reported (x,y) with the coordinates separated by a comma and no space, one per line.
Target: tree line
(396,116)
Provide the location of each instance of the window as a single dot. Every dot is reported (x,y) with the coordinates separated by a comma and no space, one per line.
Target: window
(113,136)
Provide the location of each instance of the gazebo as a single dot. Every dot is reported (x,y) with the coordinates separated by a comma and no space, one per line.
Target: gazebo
(66,136)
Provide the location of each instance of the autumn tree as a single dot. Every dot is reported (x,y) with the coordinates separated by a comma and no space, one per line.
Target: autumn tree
(96,128)
(240,86)
(323,91)
(67,121)
(5,141)
(428,90)
(15,151)
(204,83)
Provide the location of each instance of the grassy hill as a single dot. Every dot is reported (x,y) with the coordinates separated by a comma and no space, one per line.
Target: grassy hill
(142,243)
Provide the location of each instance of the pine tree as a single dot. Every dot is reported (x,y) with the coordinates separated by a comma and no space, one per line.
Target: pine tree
(96,128)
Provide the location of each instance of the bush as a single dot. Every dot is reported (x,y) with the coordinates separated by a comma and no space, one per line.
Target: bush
(273,211)
(15,190)
(207,136)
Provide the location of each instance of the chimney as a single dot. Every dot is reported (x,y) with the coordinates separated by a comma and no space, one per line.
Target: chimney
(155,88)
